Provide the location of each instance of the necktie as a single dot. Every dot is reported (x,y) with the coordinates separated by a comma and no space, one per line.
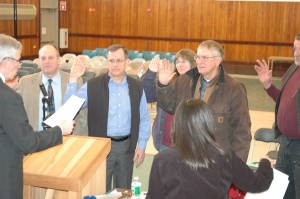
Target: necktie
(203,88)
(51,105)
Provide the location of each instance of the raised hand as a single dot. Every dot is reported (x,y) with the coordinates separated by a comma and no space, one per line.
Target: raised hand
(154,64)
(264,74)
(165,72)
(77,69)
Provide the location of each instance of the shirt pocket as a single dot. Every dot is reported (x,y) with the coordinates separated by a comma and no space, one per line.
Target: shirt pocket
(220,114)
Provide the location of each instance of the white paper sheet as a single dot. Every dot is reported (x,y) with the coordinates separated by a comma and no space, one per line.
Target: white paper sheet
(66,112)
(276,190)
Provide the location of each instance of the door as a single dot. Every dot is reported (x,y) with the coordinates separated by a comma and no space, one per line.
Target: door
(49,22)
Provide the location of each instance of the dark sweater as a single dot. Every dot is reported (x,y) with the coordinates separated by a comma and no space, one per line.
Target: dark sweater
(98,103)
(287,104)
(171,178)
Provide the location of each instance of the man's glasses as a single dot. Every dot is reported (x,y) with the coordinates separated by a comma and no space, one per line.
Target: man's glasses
(204,58)
(10,58)
(117,61)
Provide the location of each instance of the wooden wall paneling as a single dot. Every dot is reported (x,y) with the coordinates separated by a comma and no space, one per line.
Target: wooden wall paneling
(82,16)
(247,29)
(142,23)
(28,30)
(90,16)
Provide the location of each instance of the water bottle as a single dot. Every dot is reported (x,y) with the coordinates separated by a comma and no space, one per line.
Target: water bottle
(136,188)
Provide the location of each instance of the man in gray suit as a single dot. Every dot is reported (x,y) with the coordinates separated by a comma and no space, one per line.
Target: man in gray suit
(16,134)
(28,88)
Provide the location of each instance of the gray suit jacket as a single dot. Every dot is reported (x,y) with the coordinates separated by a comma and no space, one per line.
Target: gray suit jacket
(16,137)
(28,88)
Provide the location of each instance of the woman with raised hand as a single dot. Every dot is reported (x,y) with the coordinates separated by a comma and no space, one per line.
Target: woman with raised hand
(183,62)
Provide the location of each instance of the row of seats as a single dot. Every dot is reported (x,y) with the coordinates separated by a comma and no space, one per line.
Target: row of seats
(94,66)
(98,64)
(132,54)
(28,67)
(32,66)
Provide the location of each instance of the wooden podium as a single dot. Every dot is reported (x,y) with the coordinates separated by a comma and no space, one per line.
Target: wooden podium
(71,170)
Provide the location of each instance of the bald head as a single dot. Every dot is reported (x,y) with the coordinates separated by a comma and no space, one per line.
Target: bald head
(49,60)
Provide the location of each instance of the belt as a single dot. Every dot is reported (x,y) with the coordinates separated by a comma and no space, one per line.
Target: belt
(119,138)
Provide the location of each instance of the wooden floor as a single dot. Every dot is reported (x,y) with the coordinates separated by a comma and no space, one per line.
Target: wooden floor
(278,70)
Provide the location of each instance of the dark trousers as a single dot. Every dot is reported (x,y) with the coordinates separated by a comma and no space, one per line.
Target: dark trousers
(119,165)
(288,162)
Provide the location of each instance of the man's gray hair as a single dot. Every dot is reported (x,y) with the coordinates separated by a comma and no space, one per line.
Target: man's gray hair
(8,46)
(213,45)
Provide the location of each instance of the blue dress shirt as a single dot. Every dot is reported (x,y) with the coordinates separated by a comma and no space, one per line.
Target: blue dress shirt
(119,111)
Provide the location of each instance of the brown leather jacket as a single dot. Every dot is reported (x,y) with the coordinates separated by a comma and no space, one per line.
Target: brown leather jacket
(228,103)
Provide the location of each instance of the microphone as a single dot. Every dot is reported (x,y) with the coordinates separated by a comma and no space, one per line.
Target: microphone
(43,89)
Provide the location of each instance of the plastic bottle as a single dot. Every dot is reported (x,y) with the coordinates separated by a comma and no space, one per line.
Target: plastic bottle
(136,188)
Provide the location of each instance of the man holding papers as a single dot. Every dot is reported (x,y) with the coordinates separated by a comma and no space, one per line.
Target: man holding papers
(16,134)
(117,109)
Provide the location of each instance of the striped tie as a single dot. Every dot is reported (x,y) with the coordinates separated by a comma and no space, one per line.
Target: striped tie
(51,105)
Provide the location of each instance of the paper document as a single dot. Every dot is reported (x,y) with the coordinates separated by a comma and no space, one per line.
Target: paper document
(66,112)
(276,190)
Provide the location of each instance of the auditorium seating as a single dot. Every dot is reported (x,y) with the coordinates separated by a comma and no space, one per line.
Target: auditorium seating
(149,55)
(96,61)
(22,73)
(29,63)
(132,54)
(101,52)
(69,56)
(90,53)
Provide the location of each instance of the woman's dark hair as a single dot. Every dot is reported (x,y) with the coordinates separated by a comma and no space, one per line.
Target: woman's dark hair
(193,130)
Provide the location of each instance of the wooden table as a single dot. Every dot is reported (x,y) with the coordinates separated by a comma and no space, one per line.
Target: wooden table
(68,171)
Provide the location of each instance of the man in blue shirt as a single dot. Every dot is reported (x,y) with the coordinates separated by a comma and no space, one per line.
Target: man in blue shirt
(117,109)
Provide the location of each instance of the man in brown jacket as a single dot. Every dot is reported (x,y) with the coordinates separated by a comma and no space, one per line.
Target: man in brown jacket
(226,96)
(28,88)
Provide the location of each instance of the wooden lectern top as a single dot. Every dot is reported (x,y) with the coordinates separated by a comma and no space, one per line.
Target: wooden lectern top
(68,166)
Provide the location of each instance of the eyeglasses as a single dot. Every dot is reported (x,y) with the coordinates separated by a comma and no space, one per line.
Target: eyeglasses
(204,58)
(181,62)
(5,58)
(50,58)
(117,61)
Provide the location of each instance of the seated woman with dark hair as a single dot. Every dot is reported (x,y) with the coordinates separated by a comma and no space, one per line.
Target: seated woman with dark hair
(195,166)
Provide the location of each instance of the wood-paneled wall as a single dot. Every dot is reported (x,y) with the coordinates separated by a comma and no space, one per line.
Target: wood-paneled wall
(28,30)
(247,30)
